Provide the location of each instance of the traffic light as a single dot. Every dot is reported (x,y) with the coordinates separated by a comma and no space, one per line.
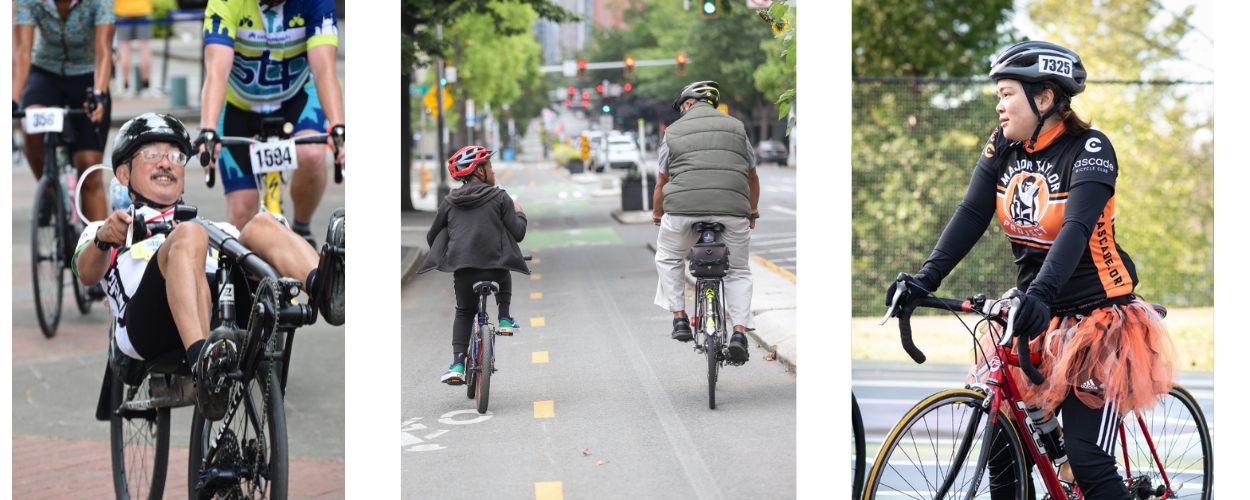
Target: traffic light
(681,64)
(582,73)
(599,88)
(585,103)
(629,87)
(629,66)
(710,9)
(572,91)
(568,103)
(442,82)
(607,108)
(585,95)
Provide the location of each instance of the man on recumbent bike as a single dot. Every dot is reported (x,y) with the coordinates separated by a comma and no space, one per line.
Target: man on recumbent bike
(158,287)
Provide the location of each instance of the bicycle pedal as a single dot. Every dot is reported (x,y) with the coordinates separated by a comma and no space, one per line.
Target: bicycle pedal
(504,333)
(455,382)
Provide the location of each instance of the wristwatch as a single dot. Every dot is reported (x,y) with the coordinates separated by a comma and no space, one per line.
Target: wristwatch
(104,246)
(755,215)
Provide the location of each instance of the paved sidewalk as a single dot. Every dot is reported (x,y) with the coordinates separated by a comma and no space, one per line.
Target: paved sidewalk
(66,468)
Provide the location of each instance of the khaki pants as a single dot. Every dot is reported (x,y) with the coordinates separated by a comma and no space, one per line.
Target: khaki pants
(674,242)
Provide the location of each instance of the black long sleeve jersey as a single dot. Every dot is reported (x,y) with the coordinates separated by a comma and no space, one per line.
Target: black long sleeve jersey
(1056,204)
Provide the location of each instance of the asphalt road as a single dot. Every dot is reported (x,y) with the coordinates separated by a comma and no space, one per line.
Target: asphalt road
(886,391)
(592,398)
(56,382)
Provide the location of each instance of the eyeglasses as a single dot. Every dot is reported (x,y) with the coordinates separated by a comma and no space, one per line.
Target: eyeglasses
(154,156)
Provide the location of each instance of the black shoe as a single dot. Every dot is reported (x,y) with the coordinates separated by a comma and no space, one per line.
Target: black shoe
(738,348)
(218,357)
(681,329)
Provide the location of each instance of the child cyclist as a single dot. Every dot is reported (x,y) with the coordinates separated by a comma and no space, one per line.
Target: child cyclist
(474,236)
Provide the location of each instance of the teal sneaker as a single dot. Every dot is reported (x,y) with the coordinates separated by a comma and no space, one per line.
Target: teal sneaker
(454,375)
(508,326)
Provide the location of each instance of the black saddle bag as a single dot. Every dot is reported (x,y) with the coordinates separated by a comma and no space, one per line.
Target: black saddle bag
(710,260)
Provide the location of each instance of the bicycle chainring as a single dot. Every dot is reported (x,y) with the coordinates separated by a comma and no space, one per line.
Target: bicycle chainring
(258,325)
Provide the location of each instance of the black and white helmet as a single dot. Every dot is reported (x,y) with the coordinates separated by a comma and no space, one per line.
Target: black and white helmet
(145,128)
(699,91)
(1035,62)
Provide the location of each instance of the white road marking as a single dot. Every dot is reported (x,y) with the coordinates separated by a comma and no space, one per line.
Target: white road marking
(447,417)
(923,384)
(784,210)
(775,242)
(414,228)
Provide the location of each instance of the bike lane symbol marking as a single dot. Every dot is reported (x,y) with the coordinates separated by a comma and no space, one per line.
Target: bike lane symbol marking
(409,428)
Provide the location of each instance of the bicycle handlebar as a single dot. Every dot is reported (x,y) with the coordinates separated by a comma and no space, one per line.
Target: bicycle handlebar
(66,111)
(210,174)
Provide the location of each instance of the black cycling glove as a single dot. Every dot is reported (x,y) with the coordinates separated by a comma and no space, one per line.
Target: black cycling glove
(209,138)
(927,281)
(1033,317)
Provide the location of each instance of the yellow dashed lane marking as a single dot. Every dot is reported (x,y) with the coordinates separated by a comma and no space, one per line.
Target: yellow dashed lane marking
(773,267)
(536,295)
(536,260)
(544,409)
(536,277)
(538,321)
(549,491)
(540,357)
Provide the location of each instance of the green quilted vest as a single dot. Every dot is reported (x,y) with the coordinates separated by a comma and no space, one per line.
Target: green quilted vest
(708,165)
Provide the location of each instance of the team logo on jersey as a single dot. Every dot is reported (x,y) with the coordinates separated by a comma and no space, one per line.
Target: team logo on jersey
(1093,145)
(989,146)
(1027,199)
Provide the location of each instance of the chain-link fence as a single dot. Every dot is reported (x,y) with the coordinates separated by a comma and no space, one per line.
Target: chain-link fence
(915,143)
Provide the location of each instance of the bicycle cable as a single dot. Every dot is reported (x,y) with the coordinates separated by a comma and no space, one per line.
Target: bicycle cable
(975,343)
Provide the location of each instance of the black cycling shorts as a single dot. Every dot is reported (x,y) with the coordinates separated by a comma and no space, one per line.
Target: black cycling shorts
(149,322)
(45,88)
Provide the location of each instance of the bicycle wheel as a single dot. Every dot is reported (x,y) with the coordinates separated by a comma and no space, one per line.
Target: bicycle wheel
(249,457)
(857,450)
(1182,440)
(713,349)
(46,235)
(139,442)
(486,364)
(338,238)
(470,364)
(939,442)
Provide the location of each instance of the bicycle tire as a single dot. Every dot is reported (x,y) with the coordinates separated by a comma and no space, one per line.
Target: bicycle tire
(857,449)
(338,296)
(47,266)
(470,364)
(713,348)
(1174,425)
(885,476)
(265,456)
(486,364)
(139,446)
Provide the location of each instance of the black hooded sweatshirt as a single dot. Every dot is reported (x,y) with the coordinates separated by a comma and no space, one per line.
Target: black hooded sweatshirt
(477,227)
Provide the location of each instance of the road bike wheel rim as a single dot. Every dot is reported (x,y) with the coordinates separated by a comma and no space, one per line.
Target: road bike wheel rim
(1176,434)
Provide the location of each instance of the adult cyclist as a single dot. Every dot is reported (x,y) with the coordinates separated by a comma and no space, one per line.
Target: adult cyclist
(1050,179)
(159,289)
(68,65)
(707,173)
(269,58)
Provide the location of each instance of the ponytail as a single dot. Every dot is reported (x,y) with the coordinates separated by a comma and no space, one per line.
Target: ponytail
(1073,125)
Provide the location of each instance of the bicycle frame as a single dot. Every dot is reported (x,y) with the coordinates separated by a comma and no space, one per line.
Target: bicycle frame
(709,304)
(479,325)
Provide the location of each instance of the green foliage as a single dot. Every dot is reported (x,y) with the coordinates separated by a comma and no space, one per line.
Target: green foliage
(160,10)
(421,16)
(726,50)
(933,38)
(494,67)
(779,75)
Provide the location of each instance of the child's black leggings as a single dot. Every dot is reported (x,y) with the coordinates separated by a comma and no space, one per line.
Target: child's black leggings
(466,302)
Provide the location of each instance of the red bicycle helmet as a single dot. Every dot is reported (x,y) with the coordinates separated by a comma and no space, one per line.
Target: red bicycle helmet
(465,161)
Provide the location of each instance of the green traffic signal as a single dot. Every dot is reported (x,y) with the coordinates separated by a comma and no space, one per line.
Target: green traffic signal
(442,82)
(606,108)
(710,9)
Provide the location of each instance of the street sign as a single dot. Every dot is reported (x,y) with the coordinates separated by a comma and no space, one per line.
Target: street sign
(415,89)
(450,74)
(431,102)
(723,108)
(470,117)
(570,68)
(615,89)
(759,4)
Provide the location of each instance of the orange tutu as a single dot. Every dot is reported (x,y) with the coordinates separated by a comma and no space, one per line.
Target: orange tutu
(1117,354)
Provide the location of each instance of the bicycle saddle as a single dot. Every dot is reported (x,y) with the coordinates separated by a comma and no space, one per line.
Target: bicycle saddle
(700,227)
(480,287)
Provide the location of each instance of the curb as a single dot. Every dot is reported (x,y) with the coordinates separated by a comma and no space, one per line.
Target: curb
(410,261)
(776,322)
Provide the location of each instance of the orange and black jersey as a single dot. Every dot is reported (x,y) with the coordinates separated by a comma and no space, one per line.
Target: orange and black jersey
(1056,204)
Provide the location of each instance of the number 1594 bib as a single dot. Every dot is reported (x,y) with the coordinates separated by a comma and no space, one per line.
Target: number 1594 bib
(272,156)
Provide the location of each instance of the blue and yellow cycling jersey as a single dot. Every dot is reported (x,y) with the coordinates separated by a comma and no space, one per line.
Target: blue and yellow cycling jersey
(270,46)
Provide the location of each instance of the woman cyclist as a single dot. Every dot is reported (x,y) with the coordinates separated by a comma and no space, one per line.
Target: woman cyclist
(1050,179)
(70,67)
(474,236)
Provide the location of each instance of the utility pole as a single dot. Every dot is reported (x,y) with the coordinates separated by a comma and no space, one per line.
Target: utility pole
(443,190)
(462,125)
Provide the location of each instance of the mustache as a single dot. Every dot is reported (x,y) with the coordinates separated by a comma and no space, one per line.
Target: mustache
(162,171)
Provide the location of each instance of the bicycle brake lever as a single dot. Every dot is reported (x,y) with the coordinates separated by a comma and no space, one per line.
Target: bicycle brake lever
(898,292)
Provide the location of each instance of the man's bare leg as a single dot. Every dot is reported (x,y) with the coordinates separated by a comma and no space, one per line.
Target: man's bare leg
(241,207)
(286,251)
(308,183)
(181,259)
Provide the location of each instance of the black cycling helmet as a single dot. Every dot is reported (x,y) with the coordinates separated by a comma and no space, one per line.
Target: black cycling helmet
(700,91)
(1035,62)
(145,128)
(141,130)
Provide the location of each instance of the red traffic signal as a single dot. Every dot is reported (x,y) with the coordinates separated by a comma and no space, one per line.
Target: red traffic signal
(629,87)
(599,88)
(629,66)
(572,91)
(681,58)
(581,64)
(586,95)
(583,74)
(681,64)
(585,103)
(568,102)
(629,60)
(561,126)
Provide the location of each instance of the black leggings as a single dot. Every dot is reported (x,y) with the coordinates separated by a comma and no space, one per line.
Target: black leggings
(466,301)
(1089,437)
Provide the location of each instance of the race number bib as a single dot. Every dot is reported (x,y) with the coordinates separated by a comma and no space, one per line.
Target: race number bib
(43,120)
(272,156)
(1054,65)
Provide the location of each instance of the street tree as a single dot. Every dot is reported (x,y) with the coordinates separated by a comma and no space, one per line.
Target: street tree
(934,38)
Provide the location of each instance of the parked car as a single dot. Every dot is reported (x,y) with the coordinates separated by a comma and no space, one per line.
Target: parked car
(622,152)
(771,152)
